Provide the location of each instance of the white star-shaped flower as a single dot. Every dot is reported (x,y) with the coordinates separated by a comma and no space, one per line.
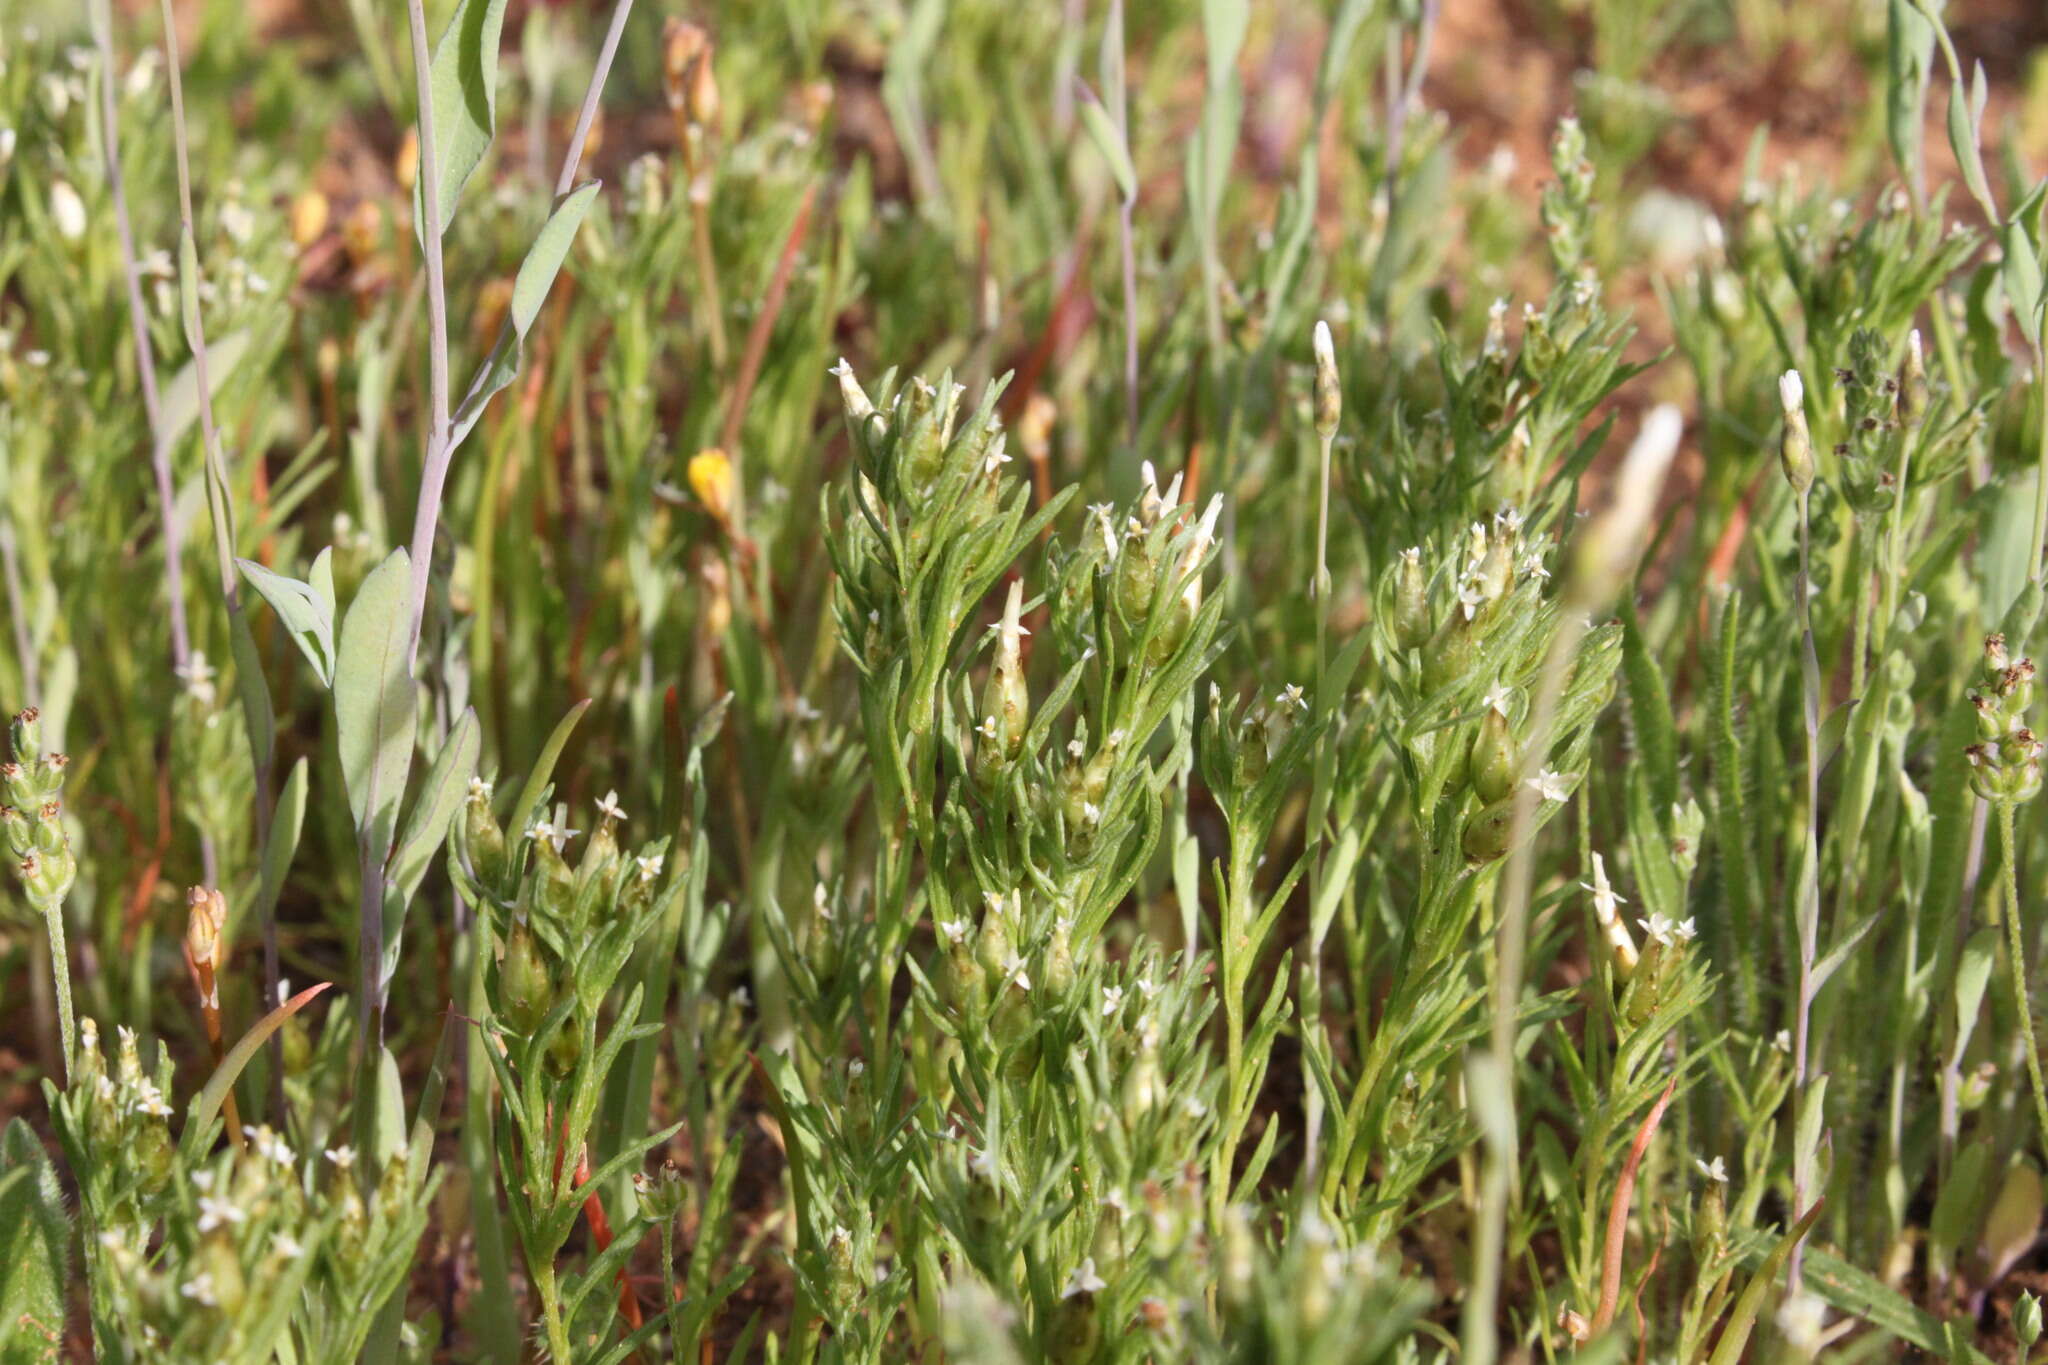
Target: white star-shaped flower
(1084,1280)
(215,1213)
(287,1246)
(609,809)
(1292,695)
(955,930)
(479,790)
(199,1289)
(1715,1170)
(1112,999)
(1498,698)
(1660,928)
(649,865)
(1551,785)
(343,1156)
(1605,900)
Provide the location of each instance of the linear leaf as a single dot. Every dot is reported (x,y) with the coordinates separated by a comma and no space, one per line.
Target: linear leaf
(426,824)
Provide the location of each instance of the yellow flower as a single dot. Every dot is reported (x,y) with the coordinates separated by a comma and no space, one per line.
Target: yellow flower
(710,476)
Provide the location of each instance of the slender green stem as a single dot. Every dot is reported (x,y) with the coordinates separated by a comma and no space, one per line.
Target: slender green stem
(60,977)
(1809,874)
(2016,965)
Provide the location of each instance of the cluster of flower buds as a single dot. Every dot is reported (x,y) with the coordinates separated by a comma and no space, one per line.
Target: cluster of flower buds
(2005,763)
(121,1118)
(1872,401)
(1005,701)
(1495,560)
(557,916)
(1568,202)
(33,817)
(1145,555)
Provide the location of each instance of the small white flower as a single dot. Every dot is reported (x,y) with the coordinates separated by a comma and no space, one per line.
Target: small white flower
(343,1156)
(1532,567)
(1661,929)
(1091,813)
(1782,1040)
(8,138)
(237,222)
(286,1245)
(955,930)
(1498,698)
(1115,1200)
(1112,999)
(1076,748)
(1605,901)
(201,1180)
(1551,785)
(150,1100)
(1471,597)
(856,1068)
(270,1146)
(479,790)
(67,210)
(802,709)
(840,1236)
(988,725)
(1687,930)
(1291,695)
(1014,973)
(983,1163)
(199,1289)
(1715,1170)
(997,457)
(608,809)
(1193,1107)
(1084,1280)
(215,1213)
(1791,392)
(649,865)
(197,676)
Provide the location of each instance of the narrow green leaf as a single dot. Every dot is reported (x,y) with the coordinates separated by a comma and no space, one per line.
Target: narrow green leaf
(1110,143)
(374,702)
(286,820)
(426,824)
(529,290)
(305,615)
(1735,1336)
(206,1107)
(544,258)
(543,768)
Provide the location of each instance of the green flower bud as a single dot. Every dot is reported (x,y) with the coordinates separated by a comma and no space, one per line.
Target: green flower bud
(1059,962)
(16,829)
(523,980)
(2026,1320)
(1411,601)
(1487,833)
(1495,758)
(1005,700)
(1913,383)
(27,732)
(20,785)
